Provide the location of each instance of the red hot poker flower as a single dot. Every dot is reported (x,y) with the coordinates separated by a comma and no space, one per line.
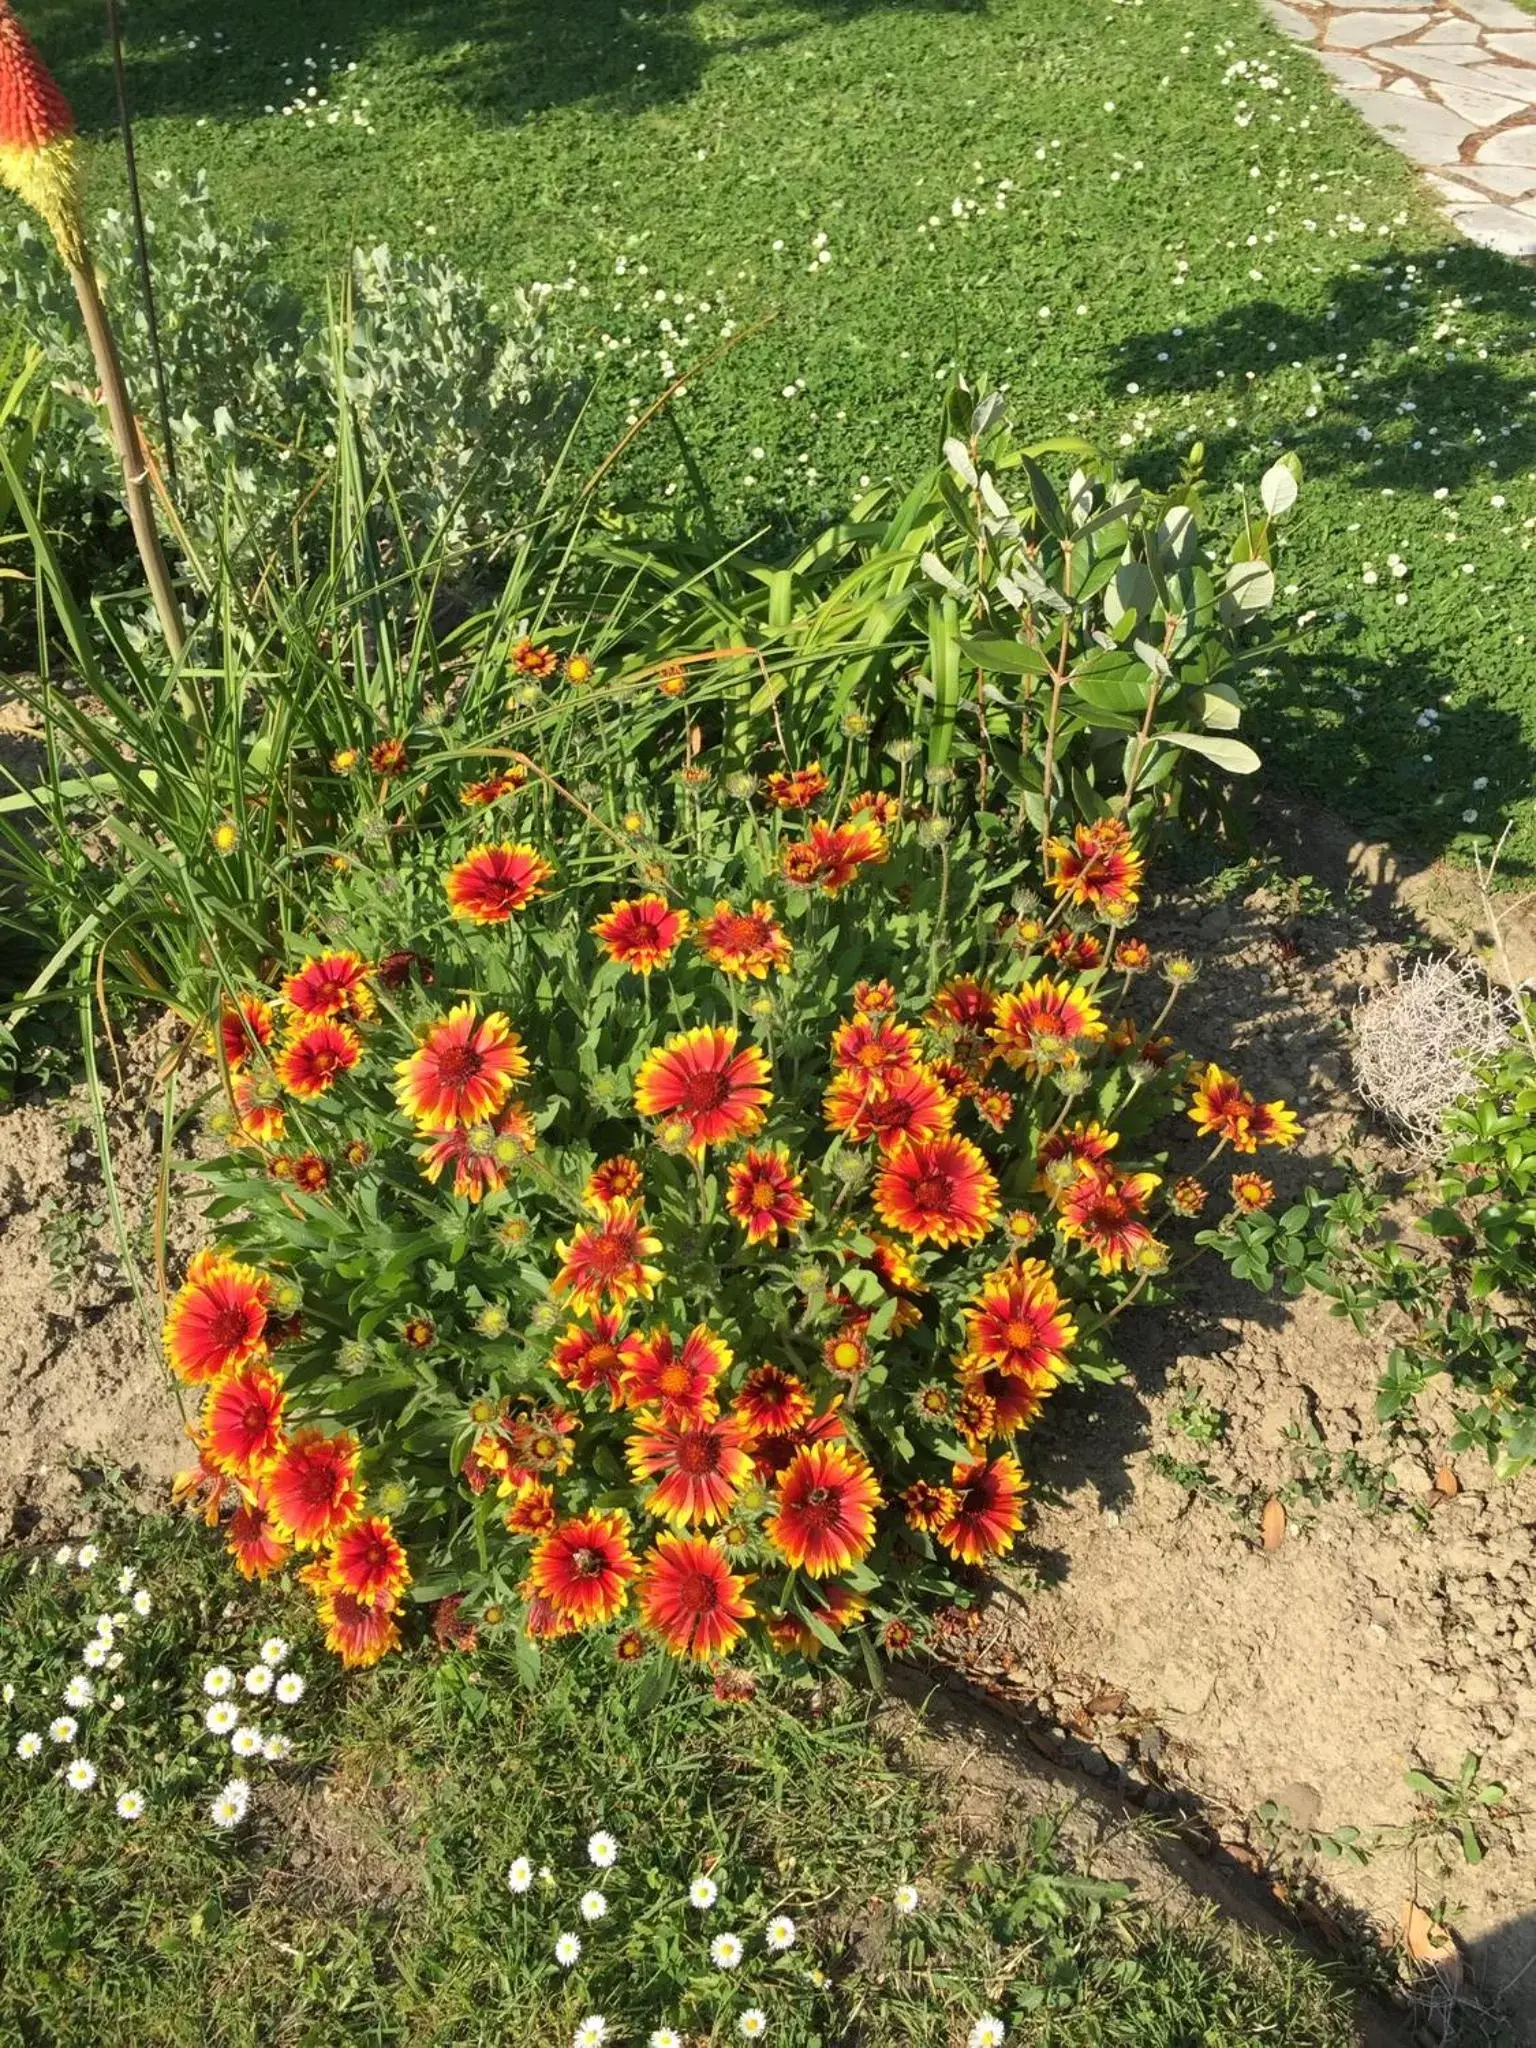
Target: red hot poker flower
(37,139)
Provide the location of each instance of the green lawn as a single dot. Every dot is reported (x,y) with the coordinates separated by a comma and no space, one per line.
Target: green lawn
(1084,200)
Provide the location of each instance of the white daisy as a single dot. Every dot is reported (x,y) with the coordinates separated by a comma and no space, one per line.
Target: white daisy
(246,1741)
(104,1626)
(221,1717)
(64,1555)
(79,1692)
(753,2024)
(593,1906)
(218,1681)
(703,1893)
(87,1555)
(127,1579)
(130,1805)
(591,2032)
(80,1776)
(7,1694)
(906,1900)
(141,1601)
(567,1949)
(228,1808)
(780,1934)
(519,1875)
(988,2032)
(258,1680)
(116,1704)
(273,1651)
(665,2037)
(95,1652)
(29,1745)
(63,1728)
(602,1850)
(289,1688)
(277,1749)
(725,1951)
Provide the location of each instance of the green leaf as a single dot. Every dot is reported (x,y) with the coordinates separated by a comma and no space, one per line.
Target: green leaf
(1232,755)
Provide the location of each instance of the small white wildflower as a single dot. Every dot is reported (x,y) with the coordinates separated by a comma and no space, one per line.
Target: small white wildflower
(277,1749)
(593,1906)
(703,1893)
(258,1680)
(105,1626)
(87,1555)
(1479,782)
(130,1805)
(725,1951)
(246,1741)
(664,2037)
(141,1602)
(29,1745)
(1469,817)
(988,2032)
(905,1900)
(290,1688)
(79,1692)
(228,1807)
(63,1728)
(591,2032)
(753,2024)
(127,1579)
(116,1704)
(218,1681)
(221,1717)
(273,1651)
(64,1556)
(567,1949)
(7,1694)
(781,1934)
(80,1776)
(602,1850)
(519,1875)
(95,1653)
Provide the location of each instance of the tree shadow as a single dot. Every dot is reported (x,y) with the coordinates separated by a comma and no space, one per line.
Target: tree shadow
(502,61)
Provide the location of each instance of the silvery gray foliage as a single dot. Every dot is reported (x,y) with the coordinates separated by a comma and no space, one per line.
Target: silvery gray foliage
(464,403)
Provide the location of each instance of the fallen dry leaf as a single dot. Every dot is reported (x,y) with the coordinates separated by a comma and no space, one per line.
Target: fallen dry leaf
(1109,1699)
(1272,1524)
(1428,1942)
(1447,1485)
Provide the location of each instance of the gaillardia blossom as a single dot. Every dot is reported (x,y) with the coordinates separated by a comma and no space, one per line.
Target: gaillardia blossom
(682,1381)
(698,1466)
(217,1319)
(700,1080)
(823,1519)
(989,1509)
(605,1263)
(641,932)
(1018,1324)
(763,1193)
(368,1560)
(744,944)
(314,1060)
(312,1490)
(330,985)
(491,883)
(1098,868)
(691,1598)
(1046,1024)
(243,1421)
(583,1568)
(1104,1212)
(937,1188)
(463,1072)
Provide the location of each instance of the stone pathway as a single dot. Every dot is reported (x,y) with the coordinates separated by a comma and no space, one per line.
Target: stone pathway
(1452,84)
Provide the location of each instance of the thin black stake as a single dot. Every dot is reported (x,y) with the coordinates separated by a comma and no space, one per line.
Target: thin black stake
(141,245)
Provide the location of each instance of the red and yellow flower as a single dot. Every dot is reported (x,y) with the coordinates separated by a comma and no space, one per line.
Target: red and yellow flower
(700,1080)
(823,1519)
(1018,1325)
(836,1608)
(310,1173)
(1063,1154)
(217,1319)
(256,1543)
(314,1060)
(911,1102)
(491,883)
(614,1180)
(1272,1123)
(1046,1024)
(245,1027)
(1222,1108)
(989,1509)
(1104,1212)
(583,1568)
(243,1421)
(475,796)
(605,1263)
(1098,868)
(479,1154)
(681,1380)
(531,660)
(589,1358)
(874,1047)
(37,140)
(368,1561)
(389,757)
(331,985)
(260,1117)
(744,944)
(773,1402)
(532,1508)
(698,1464)
(797,790)
(312,1489)
(1187,1196)
(355,1632)
(463,1072)
(763,1193)
(691,1599)
(1251,1192)
(641,932)
(937,1188)
(840,851)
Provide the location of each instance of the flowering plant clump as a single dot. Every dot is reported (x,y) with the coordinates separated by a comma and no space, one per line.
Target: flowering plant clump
(672,1230)
(107,1695)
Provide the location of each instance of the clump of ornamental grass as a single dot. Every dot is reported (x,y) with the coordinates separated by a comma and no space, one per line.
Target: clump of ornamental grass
(667,1216)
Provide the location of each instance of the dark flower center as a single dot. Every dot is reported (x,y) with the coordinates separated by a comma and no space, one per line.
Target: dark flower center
(704,1092)
(459,1064)
(698,1593)
(934,1191)
(232,1324)
(698,1454)
(588,1563)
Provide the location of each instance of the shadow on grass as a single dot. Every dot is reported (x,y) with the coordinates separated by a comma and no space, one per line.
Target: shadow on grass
(502,61)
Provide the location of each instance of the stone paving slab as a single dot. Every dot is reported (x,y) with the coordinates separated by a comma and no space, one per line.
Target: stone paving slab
(1452,85)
